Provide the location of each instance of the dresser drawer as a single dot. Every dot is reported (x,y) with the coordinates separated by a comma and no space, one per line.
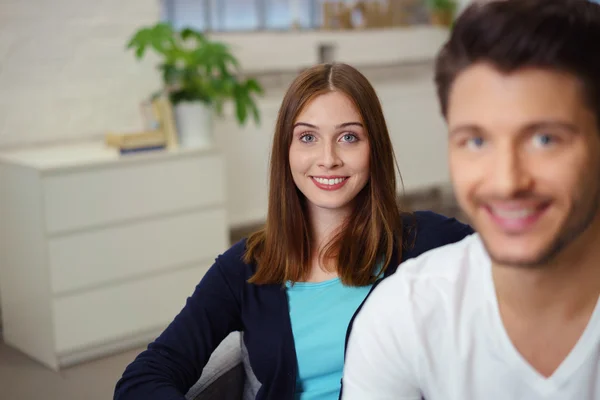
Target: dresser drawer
(100,196)
(91,258)
(104,315)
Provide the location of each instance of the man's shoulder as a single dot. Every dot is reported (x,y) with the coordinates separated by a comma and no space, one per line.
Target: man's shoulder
(417,309)
(441,262)
(434,273)
(425,299)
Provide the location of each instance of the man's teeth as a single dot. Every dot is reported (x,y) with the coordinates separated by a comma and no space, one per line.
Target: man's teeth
(324,181)
(514,214)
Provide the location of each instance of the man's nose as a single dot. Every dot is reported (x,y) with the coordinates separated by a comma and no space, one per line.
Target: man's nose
(509,173)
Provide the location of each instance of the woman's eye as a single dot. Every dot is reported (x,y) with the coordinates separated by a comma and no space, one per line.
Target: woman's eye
(349,137)
(307,138)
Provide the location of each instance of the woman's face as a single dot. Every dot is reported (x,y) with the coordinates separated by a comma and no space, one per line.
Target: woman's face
(329,154)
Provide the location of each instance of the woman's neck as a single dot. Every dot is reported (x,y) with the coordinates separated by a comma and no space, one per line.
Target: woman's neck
(324,225)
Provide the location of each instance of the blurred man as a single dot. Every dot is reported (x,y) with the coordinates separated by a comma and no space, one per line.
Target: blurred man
(511,312)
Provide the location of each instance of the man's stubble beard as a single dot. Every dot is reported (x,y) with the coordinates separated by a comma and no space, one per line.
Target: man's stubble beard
(581,216)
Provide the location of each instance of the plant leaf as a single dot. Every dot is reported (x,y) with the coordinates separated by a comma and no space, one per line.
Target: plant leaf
(194,68)
(190,33)
(240,106)
(253,86)
(255,112)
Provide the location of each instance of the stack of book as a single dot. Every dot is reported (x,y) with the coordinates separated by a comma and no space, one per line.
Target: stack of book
(136,141)
(159,133)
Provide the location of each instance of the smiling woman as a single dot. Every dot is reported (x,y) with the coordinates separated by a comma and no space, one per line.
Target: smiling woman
(331,139)
(333,231)
(329,158)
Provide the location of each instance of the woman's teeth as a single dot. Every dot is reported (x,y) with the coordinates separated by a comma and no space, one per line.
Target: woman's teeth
(325,181)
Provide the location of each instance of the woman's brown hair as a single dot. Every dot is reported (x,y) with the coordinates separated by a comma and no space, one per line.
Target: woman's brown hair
(282,248)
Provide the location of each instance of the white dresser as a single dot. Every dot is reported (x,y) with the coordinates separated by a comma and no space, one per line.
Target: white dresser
(98,252)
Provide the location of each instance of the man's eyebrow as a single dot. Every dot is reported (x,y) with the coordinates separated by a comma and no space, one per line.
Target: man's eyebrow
(466,128)
(551,124)
(530,127)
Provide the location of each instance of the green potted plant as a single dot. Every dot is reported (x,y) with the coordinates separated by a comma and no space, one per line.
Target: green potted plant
(441,12)
(199,75)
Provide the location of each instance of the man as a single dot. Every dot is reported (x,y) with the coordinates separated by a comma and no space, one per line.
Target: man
(511,312)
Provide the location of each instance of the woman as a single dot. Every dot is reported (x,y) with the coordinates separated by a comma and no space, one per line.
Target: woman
(333,229)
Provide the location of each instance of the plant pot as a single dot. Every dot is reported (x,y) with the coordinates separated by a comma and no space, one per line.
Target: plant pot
(442,17)
(194,124)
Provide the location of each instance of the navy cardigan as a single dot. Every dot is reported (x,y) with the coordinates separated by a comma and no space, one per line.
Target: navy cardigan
(224,302)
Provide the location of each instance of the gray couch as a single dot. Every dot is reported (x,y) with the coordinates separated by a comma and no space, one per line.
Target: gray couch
(227,375)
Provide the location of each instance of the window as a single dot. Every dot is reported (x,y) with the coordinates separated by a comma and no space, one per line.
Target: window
(242,15)
(290,14)
(252,15)
(187,13)
(236,15)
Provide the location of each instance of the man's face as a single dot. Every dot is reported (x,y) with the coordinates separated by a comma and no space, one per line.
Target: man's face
(524,153)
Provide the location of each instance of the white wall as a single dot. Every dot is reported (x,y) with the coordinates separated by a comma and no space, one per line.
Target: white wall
(64,72)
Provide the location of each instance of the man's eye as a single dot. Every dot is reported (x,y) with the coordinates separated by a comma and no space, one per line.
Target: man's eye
(475,142)
(543,140)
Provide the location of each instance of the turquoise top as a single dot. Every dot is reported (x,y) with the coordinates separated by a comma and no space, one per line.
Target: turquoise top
(320,314)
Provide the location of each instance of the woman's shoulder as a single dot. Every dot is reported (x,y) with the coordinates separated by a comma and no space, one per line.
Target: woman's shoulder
(426,218)
(232,264)
(426,230)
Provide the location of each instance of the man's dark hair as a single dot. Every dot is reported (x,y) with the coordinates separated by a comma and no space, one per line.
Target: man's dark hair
(559,35)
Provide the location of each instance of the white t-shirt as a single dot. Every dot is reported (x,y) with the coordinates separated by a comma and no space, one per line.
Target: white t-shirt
(433,330)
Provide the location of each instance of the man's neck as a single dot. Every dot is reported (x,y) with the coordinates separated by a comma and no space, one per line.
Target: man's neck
(566,288)
(546,309)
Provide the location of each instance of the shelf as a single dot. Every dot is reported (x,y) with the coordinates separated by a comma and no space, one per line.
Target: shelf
(86,154)
(267,52)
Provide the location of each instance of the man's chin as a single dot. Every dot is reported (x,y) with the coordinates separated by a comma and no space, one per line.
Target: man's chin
(519,255)
(517,261)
